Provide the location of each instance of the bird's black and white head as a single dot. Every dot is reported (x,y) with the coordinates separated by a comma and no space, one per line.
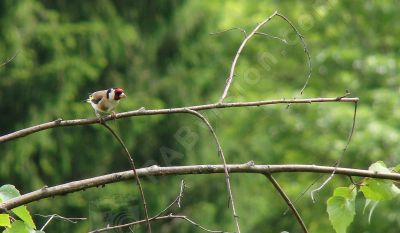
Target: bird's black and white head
(115,94)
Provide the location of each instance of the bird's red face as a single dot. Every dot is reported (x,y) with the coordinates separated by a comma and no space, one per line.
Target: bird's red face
(119,94)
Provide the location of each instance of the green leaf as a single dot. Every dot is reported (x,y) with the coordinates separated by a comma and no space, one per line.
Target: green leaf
(379,166)
(8,192)
(397,168)
(24,214)
(378,190)
(18,227)
(341,208)
(5,220)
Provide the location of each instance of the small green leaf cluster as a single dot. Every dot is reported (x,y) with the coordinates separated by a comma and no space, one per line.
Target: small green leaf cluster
(341,205)
(24,223)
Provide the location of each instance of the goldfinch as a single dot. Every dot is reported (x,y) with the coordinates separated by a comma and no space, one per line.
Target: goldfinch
(105,101)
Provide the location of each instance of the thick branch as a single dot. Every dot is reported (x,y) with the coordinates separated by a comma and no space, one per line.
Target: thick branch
(142,112)
(184,170)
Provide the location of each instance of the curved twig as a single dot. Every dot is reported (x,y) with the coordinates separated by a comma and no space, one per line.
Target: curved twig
(337,164)
(301,37)
(142,112)
(221,154)
(271,36)
(230,29)
(170,216)
(255,32)
(132,163)
(236,58)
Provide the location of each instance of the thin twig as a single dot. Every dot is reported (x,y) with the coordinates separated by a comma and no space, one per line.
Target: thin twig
(10,59)
(303,192)
(180,196)
(341,156)
(301,37)
(170,216)
(271,36)
(134,171)
(142,112)
(230,29)
(158,216)
(255,32)
(99,181)
(288,202)
(236,58)
(53,216)
(221,154)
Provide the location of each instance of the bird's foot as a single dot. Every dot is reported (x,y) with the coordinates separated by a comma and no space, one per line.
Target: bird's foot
(113,115)
(100,118)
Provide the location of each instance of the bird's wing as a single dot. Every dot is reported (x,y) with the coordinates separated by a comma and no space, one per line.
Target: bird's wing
(97,96)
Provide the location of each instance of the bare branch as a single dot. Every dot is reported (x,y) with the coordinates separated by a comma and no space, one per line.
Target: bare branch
(288,202)
(180,196)
(143,112)
(158,216)
(9,59)
(221,153)
(170,216)
(54,216)
(304,191)
(139,184)
(353,125)
(236,58)
(230,29)
(301,37)
(271,36)
(255,32)
(184,170)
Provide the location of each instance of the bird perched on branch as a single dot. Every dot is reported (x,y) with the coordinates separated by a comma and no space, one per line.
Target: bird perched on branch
(105,101)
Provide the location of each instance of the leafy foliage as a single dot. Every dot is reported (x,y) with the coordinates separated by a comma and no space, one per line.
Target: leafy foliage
(341,208)
(341,205)
(26,225)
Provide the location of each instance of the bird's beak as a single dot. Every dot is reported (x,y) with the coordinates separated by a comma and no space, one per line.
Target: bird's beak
(122,95)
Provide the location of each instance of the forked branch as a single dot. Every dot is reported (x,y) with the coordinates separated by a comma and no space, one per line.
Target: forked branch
(255,32)
(160,216)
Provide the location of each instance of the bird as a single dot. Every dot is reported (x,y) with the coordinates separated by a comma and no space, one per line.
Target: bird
(105,101)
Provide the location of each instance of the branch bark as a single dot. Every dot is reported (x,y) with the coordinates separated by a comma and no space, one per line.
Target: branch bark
(288,201)
(184,170)
(142,112)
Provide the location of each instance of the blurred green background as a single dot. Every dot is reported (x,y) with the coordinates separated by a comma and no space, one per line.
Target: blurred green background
(162,54)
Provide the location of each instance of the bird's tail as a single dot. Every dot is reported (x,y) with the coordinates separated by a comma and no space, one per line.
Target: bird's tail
(88,99)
